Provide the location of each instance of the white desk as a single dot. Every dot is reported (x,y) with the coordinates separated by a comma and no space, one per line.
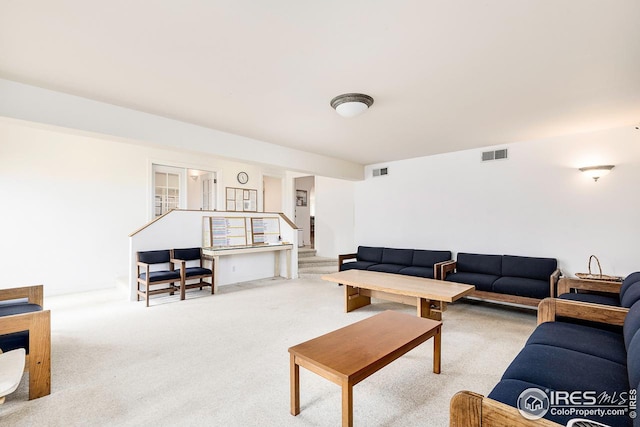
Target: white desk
(216,253)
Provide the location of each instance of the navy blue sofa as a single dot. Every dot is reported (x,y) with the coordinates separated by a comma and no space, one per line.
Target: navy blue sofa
(601,292)
(410,262)
(505,278)
(562,356)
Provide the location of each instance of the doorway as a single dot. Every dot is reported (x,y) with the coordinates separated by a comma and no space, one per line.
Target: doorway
(168,185)
(305,209)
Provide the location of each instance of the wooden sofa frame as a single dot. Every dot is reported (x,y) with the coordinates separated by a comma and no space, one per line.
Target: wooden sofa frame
(38,323)
(450,266)
(469,409)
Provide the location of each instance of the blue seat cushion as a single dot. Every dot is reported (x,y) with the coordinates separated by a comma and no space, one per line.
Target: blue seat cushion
(386,268)
(369,254)
(20,339)
(559,368)
(592,298)
(482,282)
(426,258)
(522,287)
(528,267)
(595,341)
(197,271)
(356,265)
(507,391)
(633,360)
(426,272)
(160,276)
(188,254)
(478,263)
(154,257)
(397,256)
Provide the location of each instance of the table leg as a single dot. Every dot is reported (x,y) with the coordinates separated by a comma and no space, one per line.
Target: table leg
(215,262)
(288,251)
(276,267)
(347,404)
(353,299)
(295,386)
(437,350)
(424,310)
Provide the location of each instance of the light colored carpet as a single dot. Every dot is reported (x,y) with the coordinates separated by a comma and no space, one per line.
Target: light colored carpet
(222,360)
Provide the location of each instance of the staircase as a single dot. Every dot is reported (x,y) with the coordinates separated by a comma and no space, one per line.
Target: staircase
(310,265)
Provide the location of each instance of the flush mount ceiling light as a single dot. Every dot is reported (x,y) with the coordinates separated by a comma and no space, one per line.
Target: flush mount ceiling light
(596,172)
(351,104)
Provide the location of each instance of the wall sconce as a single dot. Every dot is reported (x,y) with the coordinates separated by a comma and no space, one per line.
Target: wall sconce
(194,177)
(596,172)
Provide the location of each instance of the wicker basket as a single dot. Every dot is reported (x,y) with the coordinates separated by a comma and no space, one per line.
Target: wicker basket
(598,276)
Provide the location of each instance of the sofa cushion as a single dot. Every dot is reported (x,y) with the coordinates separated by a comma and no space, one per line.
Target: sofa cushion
(631,295)
(507,391)
(426,272)
(482,282)
(595,341)
(386,268)
(369,254)
(528,267)
(563,369)
(478,263)
(592,298)
(397,256)
(356,265)
(154,257)
(425,258)
(522,287)
(631,324)
(633,360)
(629,280)
(18,308)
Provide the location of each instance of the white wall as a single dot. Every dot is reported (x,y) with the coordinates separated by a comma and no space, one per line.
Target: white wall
(272,194)
(69,202)
(536,203)
(334,216)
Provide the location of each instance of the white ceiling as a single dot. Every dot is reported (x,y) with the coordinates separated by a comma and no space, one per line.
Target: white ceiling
(446,75)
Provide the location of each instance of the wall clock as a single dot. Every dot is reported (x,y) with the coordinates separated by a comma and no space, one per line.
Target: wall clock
(243,178)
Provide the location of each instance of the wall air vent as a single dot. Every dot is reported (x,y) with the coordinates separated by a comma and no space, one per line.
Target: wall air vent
(380,172)
(494,155)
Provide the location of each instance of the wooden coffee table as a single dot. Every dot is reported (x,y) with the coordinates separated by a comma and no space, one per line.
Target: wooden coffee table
(350,354)
(362,285)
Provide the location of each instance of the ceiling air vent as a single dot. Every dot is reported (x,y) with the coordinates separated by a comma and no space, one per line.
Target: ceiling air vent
(380,172)
(494,155)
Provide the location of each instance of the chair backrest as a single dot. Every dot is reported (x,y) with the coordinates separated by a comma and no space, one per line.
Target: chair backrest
(154,257)
(187,254)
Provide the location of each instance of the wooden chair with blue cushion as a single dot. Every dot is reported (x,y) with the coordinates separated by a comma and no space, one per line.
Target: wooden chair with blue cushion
(617,294)
(25,325)
(192,268)
(157,270)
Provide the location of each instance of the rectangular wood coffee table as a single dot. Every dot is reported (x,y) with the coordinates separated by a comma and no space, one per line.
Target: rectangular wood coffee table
(362,285)
(349,355)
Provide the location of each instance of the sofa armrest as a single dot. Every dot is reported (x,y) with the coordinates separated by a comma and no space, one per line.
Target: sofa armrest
(446,268)
(551,308)
(437,267)
(343,257)
(34,294)
(468,409)
(566,284)
(553,282)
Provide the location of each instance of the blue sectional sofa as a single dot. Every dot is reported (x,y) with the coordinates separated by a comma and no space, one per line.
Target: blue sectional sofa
(504,278)
(585,351)
(411,262)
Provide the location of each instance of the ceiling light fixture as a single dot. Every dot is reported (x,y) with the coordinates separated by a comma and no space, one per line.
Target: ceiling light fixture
(596,172)
(351,104)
